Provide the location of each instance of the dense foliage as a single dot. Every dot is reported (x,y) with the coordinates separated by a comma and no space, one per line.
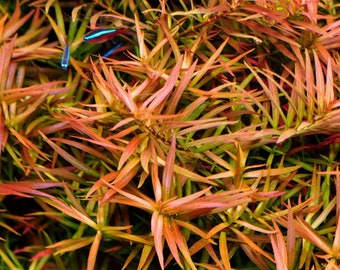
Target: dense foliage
(209,140)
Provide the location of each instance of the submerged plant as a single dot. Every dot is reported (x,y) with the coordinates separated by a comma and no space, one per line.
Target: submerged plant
(210,136)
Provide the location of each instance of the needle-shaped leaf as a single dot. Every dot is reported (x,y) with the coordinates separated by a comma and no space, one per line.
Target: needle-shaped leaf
(279,247)
(15,22)
(91,261)
(71,244)
(74,161)
(27,188)
(131,148)
(71,211)
(249,242)
(168,173)
(169,236)
(157,225)
(125,175)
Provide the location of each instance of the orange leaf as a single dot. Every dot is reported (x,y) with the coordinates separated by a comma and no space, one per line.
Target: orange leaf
(251,244)
(130,148)
(160,96)
(168,173)
(91,260)
(15,23)
(307,232)
(224,251)
(73,160)
(157,231)
(182,244)
(71,244)
(71,211)
(124,177)
(169,235)
(27,188)
(279,248)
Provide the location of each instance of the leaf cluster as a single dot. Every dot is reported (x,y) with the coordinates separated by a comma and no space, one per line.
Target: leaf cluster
(210,136)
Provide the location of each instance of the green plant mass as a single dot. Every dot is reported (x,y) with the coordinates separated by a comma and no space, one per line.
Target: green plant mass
(169,135)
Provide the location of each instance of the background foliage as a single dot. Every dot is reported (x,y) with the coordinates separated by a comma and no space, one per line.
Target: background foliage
(211,136)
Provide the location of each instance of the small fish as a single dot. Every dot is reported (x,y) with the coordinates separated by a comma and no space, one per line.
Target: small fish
(65,59)
(108,53)
(102,35)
